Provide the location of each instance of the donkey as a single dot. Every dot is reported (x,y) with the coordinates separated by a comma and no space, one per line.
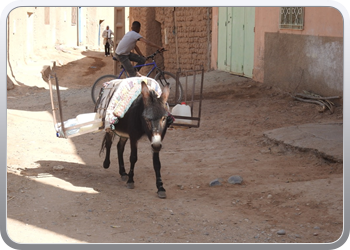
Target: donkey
(146,116)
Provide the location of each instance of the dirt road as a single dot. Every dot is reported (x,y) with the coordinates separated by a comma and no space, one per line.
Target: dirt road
(282,189)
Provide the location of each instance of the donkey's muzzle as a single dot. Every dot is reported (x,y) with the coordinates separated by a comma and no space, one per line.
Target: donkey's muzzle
(156,143)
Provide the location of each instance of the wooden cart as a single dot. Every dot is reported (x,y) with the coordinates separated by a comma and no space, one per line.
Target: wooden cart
(82,124)
(192,84)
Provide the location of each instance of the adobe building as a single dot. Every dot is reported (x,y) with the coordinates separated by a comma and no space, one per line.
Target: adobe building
(308,57)
(184,31)
(33,30)
(293,48)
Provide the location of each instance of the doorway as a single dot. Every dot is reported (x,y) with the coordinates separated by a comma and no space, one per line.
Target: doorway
(236,40)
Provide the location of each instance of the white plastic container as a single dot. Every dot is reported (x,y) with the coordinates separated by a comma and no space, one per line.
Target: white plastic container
(89,117)
(182,110)
(82,124)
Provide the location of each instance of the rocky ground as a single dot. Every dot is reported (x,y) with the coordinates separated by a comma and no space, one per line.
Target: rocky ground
(286,195)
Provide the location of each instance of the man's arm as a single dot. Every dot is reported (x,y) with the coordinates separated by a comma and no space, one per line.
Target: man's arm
(150,43)
(138,51)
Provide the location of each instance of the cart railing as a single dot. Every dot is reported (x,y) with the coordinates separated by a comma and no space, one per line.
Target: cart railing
(192,85)
(74,126)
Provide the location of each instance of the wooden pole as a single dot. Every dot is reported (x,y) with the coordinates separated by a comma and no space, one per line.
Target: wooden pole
(115,63)
(119,32)
(208,38)
(176,45)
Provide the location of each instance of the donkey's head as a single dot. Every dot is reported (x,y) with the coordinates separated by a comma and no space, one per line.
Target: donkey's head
(155,115)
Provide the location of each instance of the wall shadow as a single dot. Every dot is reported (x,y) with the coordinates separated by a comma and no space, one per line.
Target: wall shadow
(81,202)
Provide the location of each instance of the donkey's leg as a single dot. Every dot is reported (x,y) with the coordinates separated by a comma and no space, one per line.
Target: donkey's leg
(159,183)
(133,160)
(121,147)
(108,140)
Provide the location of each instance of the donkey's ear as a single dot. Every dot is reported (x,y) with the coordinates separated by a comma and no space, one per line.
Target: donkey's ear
(165,93)
(144,92)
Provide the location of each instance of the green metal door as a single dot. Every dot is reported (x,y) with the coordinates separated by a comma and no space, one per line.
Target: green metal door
(236,40)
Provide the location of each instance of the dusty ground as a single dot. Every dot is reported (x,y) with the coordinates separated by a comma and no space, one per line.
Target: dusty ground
(282,189)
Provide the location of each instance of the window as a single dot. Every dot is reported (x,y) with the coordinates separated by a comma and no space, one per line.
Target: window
(292,18)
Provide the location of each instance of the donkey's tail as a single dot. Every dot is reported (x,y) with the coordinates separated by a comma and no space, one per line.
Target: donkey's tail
(107,141)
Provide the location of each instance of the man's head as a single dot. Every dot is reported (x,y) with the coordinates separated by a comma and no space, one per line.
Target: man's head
(136,26)
(107,27)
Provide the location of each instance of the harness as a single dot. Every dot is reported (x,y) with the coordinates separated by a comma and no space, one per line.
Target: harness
(104,98)
(116,97)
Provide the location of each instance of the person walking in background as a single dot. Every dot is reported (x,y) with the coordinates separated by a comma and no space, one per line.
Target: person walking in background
(128,43)
(106,34)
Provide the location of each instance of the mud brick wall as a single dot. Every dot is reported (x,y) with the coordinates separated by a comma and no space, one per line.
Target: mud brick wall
(150,30)
(184,31)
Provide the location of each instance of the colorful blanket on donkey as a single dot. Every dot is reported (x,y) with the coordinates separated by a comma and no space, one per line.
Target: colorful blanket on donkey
(128,90)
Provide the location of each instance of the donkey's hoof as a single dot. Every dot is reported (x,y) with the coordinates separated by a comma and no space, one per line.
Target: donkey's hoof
(162,194)
(130,185)
(124,177)
(106,165)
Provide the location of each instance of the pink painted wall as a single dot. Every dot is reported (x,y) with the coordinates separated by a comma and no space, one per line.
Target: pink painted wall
(319,21)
